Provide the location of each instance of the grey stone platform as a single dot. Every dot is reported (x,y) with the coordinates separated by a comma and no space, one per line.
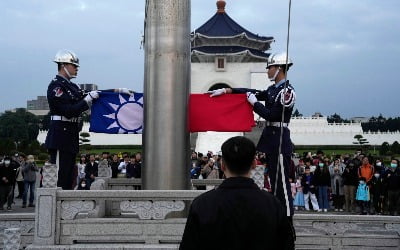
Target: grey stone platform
(146,219)
(314,231)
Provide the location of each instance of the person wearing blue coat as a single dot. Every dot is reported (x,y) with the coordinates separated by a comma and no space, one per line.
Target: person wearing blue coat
(362,195)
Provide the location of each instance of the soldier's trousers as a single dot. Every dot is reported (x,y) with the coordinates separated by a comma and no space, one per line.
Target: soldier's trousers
(283,190)
(65,162)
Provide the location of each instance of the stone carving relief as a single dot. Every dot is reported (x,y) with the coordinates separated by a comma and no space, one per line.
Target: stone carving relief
(50,175)
(26,227)
(393,227)
(104,169)
(332,228)
(257,175)
(73,209)
(147,210)
(12,238)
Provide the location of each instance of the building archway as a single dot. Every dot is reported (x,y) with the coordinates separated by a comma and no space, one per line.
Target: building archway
(219,85)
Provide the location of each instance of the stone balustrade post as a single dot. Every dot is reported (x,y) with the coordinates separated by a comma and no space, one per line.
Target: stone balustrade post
(50,175)
(45,216)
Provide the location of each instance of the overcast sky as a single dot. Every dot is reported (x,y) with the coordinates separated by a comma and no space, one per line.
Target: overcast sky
(345,52)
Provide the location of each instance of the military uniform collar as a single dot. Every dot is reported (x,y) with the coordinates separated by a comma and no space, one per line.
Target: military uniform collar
(60,76)
(278,84)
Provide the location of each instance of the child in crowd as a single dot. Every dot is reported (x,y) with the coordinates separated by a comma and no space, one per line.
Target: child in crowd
(307,182)
(362,196)
(299,198)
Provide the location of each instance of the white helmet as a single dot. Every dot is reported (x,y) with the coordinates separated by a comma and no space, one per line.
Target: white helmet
(279,59)
(66,56)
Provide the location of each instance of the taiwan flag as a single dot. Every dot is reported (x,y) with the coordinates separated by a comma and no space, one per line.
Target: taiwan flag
(116,113)
(225,113)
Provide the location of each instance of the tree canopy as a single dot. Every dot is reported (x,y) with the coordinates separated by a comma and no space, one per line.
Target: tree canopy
(18,128)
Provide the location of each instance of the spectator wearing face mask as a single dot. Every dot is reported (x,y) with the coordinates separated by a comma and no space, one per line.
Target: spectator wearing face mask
(378,191)
(380,167)
(393,187)
(323,182)
(7,178)
(82,185)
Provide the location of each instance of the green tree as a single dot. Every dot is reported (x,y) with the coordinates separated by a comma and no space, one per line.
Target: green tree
(385,148)
(21,127)
(335,118)
(395,148)
(296,113)
(84,140)
(360,140)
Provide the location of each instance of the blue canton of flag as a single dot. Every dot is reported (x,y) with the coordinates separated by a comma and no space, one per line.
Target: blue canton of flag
(115,113)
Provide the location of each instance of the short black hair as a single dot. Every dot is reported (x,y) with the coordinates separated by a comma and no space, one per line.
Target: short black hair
(238,153)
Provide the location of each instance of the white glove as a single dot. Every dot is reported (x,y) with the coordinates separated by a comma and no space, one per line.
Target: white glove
(217,92)
(125,91)
(91,96)
(251,98)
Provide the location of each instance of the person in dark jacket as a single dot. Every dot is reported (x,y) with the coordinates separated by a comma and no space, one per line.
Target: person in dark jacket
(350,182)
(237,215)
(114,166)
(130,167)
(7,179)
(393,187)
(82,185)
(323,183)
(378,191)
(91,170)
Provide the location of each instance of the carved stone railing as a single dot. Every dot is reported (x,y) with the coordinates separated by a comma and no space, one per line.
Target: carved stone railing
(135,184)
(145,216)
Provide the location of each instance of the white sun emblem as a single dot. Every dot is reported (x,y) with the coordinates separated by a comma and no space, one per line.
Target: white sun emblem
(128,115)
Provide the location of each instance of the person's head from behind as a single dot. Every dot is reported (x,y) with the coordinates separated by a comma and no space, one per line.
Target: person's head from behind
(238,156)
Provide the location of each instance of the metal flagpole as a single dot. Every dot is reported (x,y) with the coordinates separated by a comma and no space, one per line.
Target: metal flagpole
(166,92)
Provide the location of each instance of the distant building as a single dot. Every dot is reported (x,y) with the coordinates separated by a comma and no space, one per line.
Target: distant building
(88,86)
(39,104)
(359,119)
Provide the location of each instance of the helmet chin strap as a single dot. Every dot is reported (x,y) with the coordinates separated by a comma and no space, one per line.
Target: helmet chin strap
(275,75)
(68,74)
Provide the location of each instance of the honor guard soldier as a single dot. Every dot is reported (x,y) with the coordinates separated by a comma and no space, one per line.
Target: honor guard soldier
(67,102)
(277,99)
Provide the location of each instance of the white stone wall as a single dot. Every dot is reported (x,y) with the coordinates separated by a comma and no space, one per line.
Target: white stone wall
(103,139)
(237,75)
(317,131)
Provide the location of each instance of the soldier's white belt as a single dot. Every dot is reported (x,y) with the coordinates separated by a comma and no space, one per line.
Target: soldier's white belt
(64,119)
(276,124)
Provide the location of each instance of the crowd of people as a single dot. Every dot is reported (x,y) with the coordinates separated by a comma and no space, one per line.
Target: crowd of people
(343,183)
(122,165)
(21,172)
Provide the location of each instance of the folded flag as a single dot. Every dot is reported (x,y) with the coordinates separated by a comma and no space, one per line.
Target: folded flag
(225,113)
(116,113)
